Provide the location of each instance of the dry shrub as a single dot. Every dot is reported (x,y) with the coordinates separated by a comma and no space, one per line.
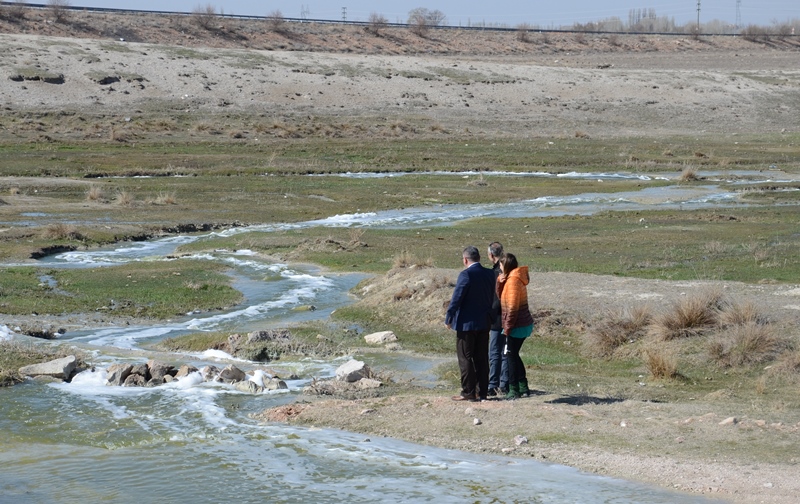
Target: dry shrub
(14,191)
(689,174)
(406,259)
(203,15)
(419,27)
(750,343)
(689,316)
(376,23)
(61,231)
(617,329)
(355,236)
(523,32)
(95,193)
(124,198)
(661,362)
(59,9)
(16,11)
(275,21)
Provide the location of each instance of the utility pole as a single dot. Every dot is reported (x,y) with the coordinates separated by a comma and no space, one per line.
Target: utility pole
(344,13)
(698,17)
(738,15)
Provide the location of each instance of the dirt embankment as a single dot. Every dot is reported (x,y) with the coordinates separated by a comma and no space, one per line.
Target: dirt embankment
(131,68)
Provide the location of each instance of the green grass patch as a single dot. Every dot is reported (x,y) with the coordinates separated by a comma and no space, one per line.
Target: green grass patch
(143,289)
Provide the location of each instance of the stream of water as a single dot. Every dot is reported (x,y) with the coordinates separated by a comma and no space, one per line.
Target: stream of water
(195,442)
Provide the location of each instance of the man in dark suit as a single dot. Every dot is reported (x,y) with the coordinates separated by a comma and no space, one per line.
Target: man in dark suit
(468,314)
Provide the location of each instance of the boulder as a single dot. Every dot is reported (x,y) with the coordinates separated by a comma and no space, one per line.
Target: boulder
(352,371)
(116,374)
(209,373)
(275,384)
(58,368)
(367,383)
(231,374)
(185,370)
(158,370)
(380,338)
(141,369)
(248,387)
(134,380)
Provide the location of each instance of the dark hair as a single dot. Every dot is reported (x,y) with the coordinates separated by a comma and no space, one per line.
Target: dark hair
(509,263)
(496,249)
(472,254)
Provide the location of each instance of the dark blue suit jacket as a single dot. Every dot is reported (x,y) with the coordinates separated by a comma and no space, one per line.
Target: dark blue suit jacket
(472,299)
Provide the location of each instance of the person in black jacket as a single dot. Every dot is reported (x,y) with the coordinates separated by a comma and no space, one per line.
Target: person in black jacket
(468,314)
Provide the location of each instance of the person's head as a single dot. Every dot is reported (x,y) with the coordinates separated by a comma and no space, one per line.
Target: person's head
(508,263)
(495,251)
(471,255)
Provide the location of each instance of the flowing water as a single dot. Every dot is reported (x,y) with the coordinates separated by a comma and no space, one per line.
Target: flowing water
(192,441)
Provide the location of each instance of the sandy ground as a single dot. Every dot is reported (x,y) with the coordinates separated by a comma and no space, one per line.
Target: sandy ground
(480,84)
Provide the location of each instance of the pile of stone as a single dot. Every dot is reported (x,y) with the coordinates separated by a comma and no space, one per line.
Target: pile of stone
(154,373)
(353,375)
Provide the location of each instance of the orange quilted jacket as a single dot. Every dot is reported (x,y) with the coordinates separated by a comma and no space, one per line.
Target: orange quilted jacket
(513,294)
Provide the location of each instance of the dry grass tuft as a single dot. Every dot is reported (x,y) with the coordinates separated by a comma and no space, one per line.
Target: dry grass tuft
(661,363)
(787,365)
(689,316)
(61,231)
(750,343)
(14,191)
(165,199)
(617,329)
(95,193)
(689,174)
(405,259)
(734,314)
(124,198)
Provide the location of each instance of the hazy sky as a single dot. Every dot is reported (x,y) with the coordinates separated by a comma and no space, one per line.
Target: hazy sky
(545,14)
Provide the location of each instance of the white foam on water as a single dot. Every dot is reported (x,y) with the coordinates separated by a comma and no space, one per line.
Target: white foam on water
(6,334)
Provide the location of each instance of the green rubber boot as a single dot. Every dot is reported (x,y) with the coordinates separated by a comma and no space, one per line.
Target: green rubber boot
(524,391)
(513,391)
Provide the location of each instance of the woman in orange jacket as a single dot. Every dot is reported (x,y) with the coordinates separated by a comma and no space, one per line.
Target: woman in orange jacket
(512,289)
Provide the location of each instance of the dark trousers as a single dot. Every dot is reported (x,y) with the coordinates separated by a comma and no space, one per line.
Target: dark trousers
(516,369)
(472,348)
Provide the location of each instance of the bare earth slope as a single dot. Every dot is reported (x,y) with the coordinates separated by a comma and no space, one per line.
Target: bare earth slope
(451,80)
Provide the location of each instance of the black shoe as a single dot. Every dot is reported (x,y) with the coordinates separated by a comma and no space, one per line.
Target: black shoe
(492,392)
(469,398)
